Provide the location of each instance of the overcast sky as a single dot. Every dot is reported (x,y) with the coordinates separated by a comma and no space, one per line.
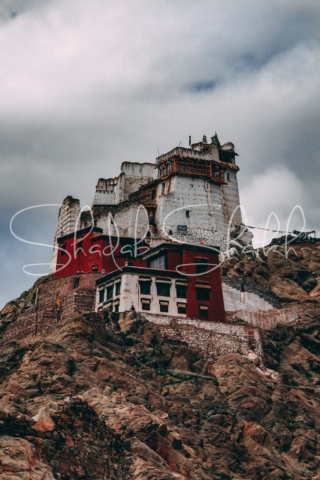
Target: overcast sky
(86,85)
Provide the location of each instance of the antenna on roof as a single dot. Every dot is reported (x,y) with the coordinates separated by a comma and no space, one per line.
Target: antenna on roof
(189,140)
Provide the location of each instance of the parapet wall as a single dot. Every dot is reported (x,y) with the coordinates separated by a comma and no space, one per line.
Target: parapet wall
(234,300)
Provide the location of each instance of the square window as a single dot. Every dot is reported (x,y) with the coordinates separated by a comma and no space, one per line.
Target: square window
(203,294)
(181,291)
(159,263)
(164,307)
(145,304)
(203,311)
(182,308)
(163,289)
(201,268)
(145,288)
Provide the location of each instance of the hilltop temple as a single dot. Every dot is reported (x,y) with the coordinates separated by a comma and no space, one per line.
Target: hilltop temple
(155,233)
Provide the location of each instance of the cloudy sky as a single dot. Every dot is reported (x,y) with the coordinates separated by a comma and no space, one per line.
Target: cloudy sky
(86,85)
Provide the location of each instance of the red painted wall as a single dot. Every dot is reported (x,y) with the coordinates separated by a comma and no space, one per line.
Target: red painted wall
(81,255)
(110,255)
(215,305)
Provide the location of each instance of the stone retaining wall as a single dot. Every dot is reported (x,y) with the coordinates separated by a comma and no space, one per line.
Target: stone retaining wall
(213,339)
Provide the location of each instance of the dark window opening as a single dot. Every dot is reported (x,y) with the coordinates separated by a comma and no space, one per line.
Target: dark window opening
(181,291)
(116,308)
(182,308)
(163,185)
(75,282)
(145,304)
(228,177)
(101,296)
(94,268)
(164,307)
(118,288)
(163,289)
(153,194)
(203,294)
(145,288)
(201,265)
(203,311)
(201,268)
(109,292)
(188,213)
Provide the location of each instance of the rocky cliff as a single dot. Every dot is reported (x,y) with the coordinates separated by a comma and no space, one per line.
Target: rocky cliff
(90,399)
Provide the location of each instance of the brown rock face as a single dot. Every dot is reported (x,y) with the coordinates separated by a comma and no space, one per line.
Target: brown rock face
(89,401)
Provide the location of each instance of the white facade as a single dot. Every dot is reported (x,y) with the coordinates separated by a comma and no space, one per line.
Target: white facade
(130,294)
(113,191)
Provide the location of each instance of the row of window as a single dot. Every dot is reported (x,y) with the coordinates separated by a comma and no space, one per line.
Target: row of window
(112,290)
(163,289)
(203,291)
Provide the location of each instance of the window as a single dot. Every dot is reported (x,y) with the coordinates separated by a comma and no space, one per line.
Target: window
(109,292)
(116,306)
(203,311)
(201,264)
(228,177)
(94,268)
(182,308)
(118,288)
(145,304)
(203,292)
(159,263)
(163,187)
(181,290)
(101,296)
(163,289)
(145,287)
(75,283)
(164,306)
(188,213)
